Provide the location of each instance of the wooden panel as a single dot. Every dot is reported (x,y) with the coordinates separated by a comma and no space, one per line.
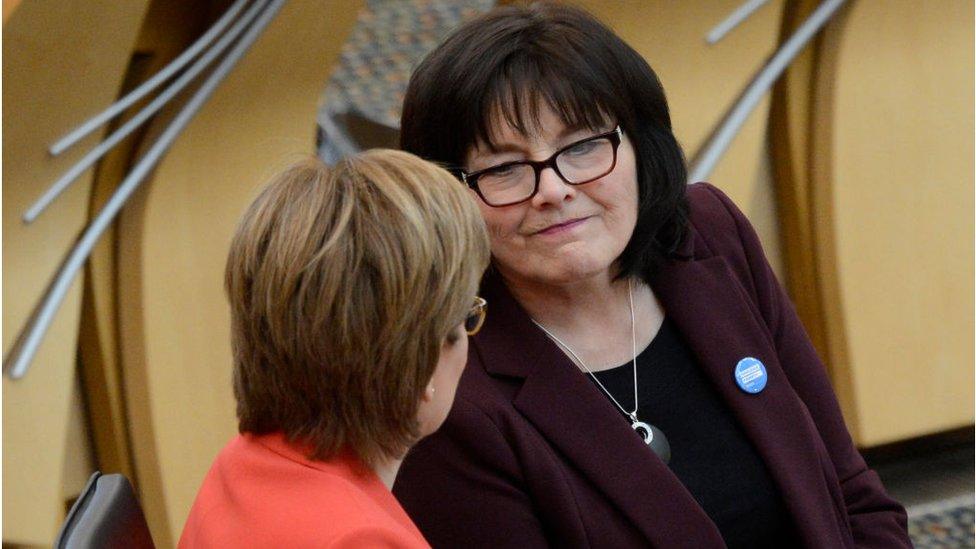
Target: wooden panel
(800,142)
(901,139)
(8,8)
(174,241)
(702,81)
(79,455)
(59,66)
(168,28)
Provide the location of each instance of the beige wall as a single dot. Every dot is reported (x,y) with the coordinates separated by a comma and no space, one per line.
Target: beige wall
(8,8)
(56,71)
(702,81)
(902,190)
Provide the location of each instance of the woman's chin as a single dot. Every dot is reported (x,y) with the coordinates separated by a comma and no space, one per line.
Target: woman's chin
(567,272)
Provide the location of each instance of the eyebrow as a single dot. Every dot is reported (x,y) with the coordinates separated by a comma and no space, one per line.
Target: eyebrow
(504,148)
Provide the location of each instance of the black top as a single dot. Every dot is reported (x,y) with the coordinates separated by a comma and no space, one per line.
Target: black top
(710,455)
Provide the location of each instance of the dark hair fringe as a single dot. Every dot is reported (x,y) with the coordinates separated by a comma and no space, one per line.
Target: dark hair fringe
(506,65)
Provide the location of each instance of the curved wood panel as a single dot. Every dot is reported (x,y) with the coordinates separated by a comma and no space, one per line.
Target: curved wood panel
(8,8)
(800,126)
(59,67)
(702,81)
(174,241)
(168,28)
(900,178)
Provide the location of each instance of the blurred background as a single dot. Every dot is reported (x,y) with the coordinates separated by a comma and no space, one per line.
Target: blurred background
(857,171)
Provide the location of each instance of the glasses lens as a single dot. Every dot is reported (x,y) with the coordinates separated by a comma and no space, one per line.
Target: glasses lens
(507,184)
(586,161)
(476,317)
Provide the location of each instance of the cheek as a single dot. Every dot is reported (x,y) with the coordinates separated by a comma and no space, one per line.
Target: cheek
(462,357)
(619,200)
(626,199)
(502,225)
(453,358)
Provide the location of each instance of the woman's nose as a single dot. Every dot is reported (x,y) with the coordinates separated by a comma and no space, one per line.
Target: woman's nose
(552,189)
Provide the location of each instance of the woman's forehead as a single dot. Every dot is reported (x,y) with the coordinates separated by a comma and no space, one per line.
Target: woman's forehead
(507,124)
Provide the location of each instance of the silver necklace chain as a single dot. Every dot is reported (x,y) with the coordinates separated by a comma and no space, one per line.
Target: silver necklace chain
(582,365)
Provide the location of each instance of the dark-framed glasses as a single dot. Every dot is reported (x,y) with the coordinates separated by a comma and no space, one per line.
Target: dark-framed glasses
(476,316)
(580,162)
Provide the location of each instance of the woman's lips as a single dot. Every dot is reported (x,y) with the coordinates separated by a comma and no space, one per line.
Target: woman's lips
(562,227)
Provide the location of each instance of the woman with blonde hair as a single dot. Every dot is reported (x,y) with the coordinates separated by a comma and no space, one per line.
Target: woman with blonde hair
(351,296)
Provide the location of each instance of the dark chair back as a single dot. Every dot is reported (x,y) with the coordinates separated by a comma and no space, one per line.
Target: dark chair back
(106,515)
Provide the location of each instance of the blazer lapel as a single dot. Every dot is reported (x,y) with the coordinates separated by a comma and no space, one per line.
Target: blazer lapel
(714,314)
(579,421)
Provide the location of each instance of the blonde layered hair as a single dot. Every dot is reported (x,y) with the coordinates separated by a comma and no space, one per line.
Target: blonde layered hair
(343,284)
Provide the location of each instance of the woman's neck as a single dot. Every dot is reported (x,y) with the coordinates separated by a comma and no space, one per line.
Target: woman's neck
(387,471)
(563,305)
(593,316)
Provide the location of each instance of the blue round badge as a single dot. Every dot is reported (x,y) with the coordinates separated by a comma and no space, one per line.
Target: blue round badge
(751,376)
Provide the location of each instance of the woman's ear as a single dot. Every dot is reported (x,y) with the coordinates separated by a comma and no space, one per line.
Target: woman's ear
(428,393)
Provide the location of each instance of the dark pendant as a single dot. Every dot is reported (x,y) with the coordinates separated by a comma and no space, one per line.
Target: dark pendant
(654,438)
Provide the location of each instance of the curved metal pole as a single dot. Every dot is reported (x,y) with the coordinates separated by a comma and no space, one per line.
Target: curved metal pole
(713,149)
(130,125)
(18,360)
(339,138)
(734,20)
(174,66)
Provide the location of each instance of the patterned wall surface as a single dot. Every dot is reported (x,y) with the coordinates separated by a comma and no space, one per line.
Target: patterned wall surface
(390,38)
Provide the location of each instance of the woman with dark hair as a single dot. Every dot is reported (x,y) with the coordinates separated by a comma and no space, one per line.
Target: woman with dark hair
(643,379)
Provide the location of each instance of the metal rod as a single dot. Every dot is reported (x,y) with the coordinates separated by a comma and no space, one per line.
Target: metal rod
(711,152)
(18,360)
(336,136)
(130,125)
(163,75)
(735,19)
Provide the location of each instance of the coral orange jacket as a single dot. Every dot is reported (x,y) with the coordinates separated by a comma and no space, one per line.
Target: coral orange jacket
(263,492)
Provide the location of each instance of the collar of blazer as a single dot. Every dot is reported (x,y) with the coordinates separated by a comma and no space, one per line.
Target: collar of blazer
(714,312)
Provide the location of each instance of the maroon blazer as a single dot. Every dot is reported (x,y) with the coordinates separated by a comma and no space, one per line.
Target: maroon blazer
(532,454)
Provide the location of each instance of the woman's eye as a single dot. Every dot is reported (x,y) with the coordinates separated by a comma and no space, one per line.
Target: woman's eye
(501,171)
(581,149)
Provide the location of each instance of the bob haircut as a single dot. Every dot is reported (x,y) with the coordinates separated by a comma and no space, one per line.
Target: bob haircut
(503,66)
(343,285)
